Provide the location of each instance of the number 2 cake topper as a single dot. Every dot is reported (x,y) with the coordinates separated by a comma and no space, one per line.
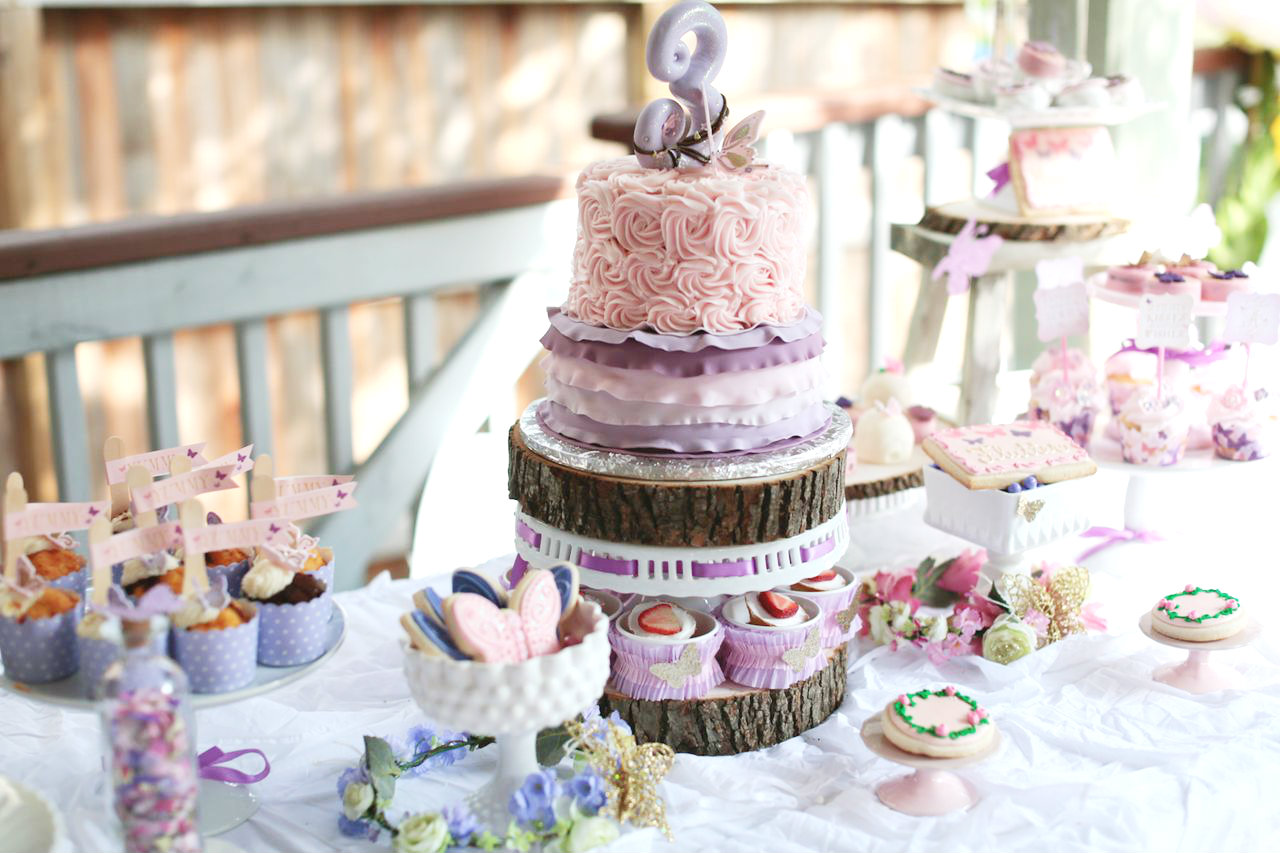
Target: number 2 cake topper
(668,136)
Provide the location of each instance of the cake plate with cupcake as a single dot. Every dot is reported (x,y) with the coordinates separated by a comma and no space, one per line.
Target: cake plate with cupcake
(1201,621)
(934,732)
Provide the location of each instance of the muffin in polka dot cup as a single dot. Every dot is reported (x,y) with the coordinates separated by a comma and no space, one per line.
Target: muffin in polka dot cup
(318,558)
(229,563)
(37,628)
(215,640)
(56,561)
(293,610)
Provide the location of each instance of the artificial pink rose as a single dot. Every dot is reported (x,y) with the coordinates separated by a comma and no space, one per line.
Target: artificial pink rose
(987,608)
(1037,622)
(962,575)
(637,223)
(1091,617)
(896,586)
(970,620)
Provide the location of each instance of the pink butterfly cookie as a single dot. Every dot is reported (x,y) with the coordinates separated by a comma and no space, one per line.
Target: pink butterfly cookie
(524,629)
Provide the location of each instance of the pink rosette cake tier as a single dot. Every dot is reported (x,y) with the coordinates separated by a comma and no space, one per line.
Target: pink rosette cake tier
(677,250)
(654,664)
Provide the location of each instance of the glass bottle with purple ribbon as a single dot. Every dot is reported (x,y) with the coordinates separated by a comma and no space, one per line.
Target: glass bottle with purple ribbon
(149,729)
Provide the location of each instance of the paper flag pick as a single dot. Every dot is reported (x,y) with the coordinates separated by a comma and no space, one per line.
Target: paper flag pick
(1164,320)
(181,487)
(157,462)
(300,485)
(308,504)
(39,519)
(1062,311)
(1253,318)
(969,257)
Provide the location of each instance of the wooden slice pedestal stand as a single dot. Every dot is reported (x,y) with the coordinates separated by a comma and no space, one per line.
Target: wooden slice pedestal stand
(733,719)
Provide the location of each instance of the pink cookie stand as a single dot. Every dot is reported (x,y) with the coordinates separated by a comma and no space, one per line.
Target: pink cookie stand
(1197,674)
(933,789)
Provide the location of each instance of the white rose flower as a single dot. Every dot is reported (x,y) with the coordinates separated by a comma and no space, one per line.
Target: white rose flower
(935,629)
(879,628)
(423,833)
(589,833)
(356,800)
(901,615)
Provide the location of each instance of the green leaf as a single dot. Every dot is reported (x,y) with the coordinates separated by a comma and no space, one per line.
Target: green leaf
(550,745)
(383,770)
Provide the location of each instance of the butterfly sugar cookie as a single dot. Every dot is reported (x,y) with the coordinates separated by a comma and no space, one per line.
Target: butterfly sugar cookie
(526,628)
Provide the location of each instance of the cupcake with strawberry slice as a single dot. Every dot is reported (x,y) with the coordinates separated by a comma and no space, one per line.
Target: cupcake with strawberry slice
(834,592)
(772,639)
(665,651)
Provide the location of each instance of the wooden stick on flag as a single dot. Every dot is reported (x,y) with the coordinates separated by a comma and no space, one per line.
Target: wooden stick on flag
(137,479)
(195,577)
(100,570)
(15,501)
(113,450)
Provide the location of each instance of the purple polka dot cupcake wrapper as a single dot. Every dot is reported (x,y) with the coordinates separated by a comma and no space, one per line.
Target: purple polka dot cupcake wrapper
(233,572)
(772,658)
(293,634)
(95,656)
(38,651)
(325,573)
(76,582)
(655,671)
(221,660)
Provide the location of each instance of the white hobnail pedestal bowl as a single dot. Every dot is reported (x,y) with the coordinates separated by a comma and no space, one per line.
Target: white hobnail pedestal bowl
(991,517)
(512,702)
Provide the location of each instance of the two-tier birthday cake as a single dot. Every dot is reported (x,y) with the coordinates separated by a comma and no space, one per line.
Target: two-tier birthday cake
(683,447)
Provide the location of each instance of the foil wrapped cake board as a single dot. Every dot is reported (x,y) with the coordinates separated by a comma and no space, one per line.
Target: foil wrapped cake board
(733,719)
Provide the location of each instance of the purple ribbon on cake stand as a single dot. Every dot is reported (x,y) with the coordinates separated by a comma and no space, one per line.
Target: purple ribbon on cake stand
(211,760)
(1110,536)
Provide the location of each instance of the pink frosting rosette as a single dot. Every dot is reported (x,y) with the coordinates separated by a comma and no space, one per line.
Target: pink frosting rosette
(840,622)
(652,669)
(774,657)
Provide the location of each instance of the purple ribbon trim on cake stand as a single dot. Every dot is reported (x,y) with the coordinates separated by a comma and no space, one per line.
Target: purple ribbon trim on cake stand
(210,760)
(1110,536)
(1215,351)
(824,547)
(607,564)
(1000,174)
(725,569)
(528,534)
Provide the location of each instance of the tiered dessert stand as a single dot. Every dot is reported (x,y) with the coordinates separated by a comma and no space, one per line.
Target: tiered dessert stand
(1097,241)
(695,529)
(223,805)
(932,789)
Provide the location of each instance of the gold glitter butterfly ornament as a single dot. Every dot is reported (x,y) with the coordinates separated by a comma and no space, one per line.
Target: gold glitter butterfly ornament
(1060,599)
(631,772)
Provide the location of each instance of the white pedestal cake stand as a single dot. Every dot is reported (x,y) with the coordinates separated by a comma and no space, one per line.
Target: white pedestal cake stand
(1197,674)
(932,789)
(223,805)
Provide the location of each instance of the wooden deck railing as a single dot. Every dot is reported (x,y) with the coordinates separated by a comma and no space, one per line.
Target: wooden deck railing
(151,277)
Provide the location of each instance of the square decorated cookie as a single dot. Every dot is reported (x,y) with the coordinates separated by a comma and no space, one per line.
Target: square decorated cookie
(992,456)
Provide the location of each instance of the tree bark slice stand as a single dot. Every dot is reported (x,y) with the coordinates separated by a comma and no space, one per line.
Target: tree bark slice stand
(735,719)
(950,218)
(674,514)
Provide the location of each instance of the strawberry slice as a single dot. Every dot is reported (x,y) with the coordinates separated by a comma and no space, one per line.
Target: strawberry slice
(660,619)
(778,605)
(828,575)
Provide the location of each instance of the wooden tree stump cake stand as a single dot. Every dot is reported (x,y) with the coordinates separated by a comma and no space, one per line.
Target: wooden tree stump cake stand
(699,529)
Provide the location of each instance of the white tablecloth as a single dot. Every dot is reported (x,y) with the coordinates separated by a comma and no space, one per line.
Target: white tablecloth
(1096,755)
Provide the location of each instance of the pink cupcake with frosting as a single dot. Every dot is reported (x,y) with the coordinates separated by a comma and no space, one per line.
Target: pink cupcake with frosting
(1128,371)
(1070,404)
(665,651)
(772,639)
(1154,432)
(1243,428)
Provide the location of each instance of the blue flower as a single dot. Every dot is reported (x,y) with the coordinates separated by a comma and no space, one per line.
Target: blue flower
(357,828)
(587,788)
(534,801)
(463,824)
(617,720)
(351,774)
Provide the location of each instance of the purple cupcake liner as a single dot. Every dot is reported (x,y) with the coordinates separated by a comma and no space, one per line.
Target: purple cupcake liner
(325,573)
(95,656)
(833,604)
(1241,445)
(38,651)
(772,658)
(1079,428)
(233,572)
(293,634)
(218,661)
(634,674)
(76,582)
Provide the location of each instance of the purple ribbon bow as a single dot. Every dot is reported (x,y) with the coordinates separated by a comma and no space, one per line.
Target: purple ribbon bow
(1110,536)
(1000,174)
(210,760)
(1193,357)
